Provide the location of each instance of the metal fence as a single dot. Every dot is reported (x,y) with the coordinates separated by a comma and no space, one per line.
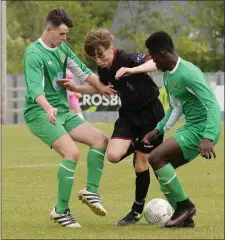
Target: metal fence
(16,90)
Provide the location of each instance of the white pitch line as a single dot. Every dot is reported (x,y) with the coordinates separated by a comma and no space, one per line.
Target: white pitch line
(49,165)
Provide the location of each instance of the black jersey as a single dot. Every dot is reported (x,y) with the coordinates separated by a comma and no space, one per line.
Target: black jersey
(136,90)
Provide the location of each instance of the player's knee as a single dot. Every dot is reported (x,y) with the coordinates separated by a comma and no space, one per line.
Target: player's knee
(113,156)
(71,154)
(100,140)
(154,158)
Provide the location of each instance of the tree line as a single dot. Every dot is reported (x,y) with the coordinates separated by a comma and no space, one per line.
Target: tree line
(197,27)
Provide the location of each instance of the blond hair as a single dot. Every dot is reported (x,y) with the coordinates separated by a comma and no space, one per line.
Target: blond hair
(97,41)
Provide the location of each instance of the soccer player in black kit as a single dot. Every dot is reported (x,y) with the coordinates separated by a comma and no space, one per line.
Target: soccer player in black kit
(140,110)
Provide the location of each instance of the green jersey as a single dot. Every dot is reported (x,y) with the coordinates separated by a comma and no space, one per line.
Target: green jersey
(42,67)
(190,94)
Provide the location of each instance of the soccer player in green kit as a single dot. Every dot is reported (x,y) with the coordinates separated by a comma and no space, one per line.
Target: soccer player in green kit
(188,90)
(46,112)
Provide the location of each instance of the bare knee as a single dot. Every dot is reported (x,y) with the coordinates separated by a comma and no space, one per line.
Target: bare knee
(154,158)
(71,154)
(113,156)
(100,140)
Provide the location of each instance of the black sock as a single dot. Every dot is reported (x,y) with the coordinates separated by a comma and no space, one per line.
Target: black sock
(138,206)
(142,185)
(185,203)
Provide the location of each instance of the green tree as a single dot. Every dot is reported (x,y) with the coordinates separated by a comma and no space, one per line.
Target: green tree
(134,29)
(26,19)
(203,35)
(197,28)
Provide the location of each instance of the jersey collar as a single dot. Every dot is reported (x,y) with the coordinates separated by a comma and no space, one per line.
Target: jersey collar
(45,46)
(175,68)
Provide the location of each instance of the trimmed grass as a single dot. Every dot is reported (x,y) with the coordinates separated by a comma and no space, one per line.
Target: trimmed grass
(29,182)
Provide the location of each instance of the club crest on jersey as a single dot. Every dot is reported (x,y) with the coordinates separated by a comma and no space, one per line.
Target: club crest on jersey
(62,57)
(140,57)
(175,85)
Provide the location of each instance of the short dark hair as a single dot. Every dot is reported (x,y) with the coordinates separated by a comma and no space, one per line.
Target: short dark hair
(58,16)
(160,41)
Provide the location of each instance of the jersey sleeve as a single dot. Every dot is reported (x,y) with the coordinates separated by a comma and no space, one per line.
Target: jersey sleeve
(34,75)
(76,66)
(171,117)
(137,59)
(196,84)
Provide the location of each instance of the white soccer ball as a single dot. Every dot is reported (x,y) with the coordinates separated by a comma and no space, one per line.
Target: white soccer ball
(158,211)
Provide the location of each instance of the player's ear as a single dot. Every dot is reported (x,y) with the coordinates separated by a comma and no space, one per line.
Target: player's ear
(48,28)
(162,53)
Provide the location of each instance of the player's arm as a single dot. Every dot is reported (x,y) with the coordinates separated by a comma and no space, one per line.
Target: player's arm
(196,84)
(35,84)
(140,63)
(103,89)
(83,89)
(171,117)
(82,72)
(176,112)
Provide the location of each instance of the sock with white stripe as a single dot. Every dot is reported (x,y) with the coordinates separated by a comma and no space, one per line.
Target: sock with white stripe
(65,184)
(167,178)
(95,164)
(168,196)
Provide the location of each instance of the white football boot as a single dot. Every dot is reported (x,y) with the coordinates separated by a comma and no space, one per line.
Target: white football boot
(65,219)
(92,200)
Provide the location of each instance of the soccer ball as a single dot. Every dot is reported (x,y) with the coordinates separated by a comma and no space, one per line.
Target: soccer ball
(158,211)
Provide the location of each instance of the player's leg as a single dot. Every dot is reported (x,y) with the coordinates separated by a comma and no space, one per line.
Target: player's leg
(142,122)
(117,148)
(121,143)
(57,138)
(83,132)
(160,159)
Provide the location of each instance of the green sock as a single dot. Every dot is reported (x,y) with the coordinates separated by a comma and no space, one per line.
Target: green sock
(65,184)
(95,163)
(168,196)
(167,177)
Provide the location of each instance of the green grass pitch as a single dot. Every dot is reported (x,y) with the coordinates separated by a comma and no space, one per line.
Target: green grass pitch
(29,181)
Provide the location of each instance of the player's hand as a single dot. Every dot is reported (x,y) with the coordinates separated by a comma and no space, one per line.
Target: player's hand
(149,137)
(107,91)
(206,148)
(123,72)
(67,84)
(51,112)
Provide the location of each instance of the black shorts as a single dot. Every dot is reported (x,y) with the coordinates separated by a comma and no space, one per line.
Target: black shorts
(135,125)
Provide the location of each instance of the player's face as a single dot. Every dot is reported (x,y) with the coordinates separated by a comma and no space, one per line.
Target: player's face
(57,35)
(106,59)
(160,60)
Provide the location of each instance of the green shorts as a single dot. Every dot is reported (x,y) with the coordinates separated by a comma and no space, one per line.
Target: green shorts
(190,137)
(49,133)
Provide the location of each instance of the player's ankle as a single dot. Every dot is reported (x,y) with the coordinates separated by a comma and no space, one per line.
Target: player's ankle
(185,203)
(138,206)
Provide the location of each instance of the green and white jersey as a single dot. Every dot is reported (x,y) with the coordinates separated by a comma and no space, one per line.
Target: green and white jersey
(42,67)
(190,94)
